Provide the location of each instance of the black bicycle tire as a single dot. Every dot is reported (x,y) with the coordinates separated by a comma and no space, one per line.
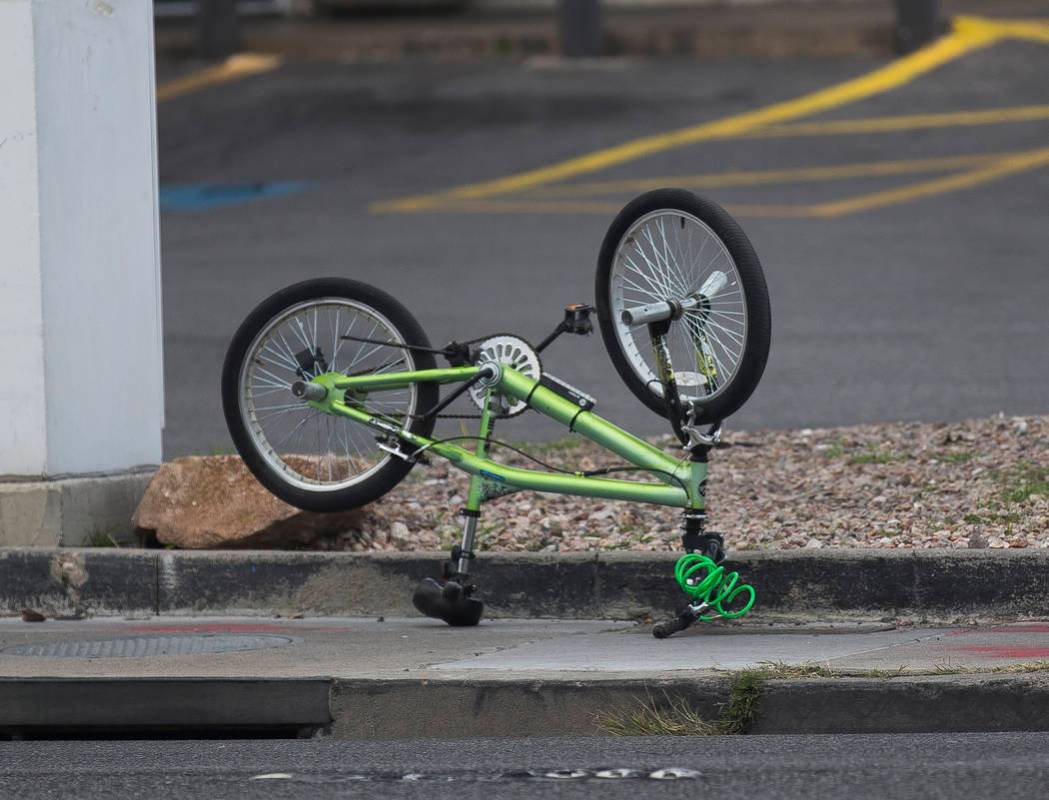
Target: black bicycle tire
(395,469)
(759,315)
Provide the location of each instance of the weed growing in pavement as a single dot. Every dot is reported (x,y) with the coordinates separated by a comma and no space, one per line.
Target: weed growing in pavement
(675,718)
(873,673)
(778,670)
(101,539)
(1029,666)
(744,695)
(678,718)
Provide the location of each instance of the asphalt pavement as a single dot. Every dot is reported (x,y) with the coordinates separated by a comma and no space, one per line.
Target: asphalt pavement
(905,258)
(1000,766)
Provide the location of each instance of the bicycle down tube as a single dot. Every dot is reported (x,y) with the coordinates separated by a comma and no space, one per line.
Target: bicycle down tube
(680,481)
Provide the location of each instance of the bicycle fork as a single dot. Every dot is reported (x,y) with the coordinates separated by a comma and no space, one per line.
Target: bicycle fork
(699,572)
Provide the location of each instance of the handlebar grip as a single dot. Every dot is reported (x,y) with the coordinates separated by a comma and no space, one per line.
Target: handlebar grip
(653,312)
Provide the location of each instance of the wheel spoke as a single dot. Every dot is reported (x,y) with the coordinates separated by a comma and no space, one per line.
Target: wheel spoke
(311,448)
(668,255)
(672,262)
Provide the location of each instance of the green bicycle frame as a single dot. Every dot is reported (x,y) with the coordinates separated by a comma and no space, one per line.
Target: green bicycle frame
(680,484)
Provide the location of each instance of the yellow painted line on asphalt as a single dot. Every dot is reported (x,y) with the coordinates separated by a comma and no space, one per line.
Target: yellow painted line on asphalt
(971,36)
(764,177)
(983,169)
(1001,168)
(908,122)
(1033,30)
(233,68)
(503,206)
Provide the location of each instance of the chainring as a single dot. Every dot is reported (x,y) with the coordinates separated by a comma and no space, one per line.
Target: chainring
(509,351)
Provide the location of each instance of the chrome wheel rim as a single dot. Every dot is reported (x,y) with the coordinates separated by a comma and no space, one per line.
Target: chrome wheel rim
(671,254)
(310,449)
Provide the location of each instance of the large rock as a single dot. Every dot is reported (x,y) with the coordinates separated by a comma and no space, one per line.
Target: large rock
(215,502)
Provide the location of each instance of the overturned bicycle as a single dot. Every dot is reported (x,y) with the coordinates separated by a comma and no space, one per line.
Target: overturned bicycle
(331,392)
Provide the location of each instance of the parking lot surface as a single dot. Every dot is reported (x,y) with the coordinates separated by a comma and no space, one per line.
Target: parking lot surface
(900,211)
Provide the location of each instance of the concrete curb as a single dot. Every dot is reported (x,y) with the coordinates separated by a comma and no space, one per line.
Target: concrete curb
(31,705)
(929,583)
(919,704)
(570,706)
(520,705)
(513,705)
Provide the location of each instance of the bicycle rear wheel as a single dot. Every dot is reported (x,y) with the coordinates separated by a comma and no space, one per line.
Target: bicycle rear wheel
(670,244)
(311,459)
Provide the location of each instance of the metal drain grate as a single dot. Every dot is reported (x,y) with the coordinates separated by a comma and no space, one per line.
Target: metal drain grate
(148,646)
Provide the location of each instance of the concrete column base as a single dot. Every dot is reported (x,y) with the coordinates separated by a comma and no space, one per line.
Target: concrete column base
(71,512)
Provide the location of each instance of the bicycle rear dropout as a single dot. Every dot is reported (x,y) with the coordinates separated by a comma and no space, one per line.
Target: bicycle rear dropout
(331,393)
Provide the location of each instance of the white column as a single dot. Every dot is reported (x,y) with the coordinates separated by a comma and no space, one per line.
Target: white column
(81,370)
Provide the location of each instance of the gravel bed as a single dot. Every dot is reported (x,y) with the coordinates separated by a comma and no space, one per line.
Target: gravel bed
(973,484)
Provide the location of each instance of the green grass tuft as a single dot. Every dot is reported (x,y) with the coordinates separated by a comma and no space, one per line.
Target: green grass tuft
(101,539)
(955,458)
(1026,482)
(875,456)
(675,718)
(738,714)
(836,450)
(778,670)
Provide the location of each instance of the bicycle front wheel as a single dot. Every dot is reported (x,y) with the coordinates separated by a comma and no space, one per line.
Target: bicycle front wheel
(311,459)
(670,244)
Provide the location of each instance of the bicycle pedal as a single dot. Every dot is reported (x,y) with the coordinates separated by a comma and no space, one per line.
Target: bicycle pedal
(395,450)
(456,607)
(577,319)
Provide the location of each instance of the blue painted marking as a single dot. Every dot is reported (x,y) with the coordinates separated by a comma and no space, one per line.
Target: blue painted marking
(206,196)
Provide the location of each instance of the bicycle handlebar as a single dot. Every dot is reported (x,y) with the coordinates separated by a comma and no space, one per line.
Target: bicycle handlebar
(674,308)
(657,312)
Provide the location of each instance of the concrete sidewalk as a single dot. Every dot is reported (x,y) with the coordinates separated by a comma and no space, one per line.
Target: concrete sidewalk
(374,678)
